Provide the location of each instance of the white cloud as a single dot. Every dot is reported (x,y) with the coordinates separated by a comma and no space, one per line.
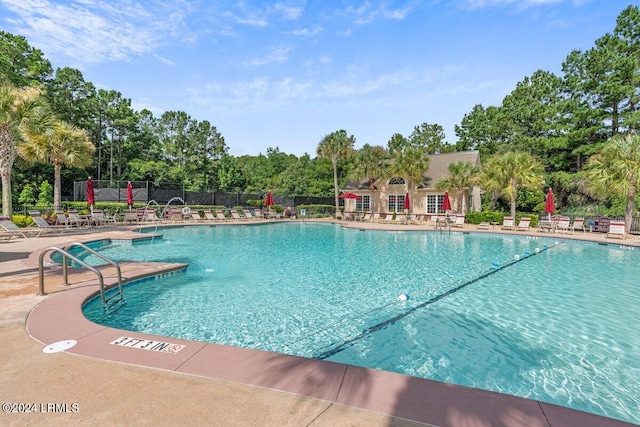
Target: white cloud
(368,12)
(95,31)
(307,32)
(275,55)
(523,4)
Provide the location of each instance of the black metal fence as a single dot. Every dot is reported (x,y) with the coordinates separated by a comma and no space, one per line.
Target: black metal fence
(145,192)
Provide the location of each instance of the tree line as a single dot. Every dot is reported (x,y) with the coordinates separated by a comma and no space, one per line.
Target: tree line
(553,123)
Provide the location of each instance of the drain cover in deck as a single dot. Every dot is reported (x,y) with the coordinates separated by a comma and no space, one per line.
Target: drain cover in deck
(59,346)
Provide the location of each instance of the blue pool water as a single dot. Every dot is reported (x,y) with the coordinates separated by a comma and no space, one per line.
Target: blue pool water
(558,325)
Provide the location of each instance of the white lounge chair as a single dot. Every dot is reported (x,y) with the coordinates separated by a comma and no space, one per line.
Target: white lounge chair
(563,225)
(236,216)
(220,215)
(578,224)
(459,220)
(617,229)
(43,225)
(195,216)
(248,215)
(9,229)
(508,223)
(63,219)
(209,216)
(523,224)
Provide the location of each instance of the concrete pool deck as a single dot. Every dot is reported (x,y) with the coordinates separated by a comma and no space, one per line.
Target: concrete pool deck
(207,383)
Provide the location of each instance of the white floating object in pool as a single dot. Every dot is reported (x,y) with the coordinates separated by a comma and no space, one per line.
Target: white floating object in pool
(516,257)
(537,250)
(403,297)
(59,346)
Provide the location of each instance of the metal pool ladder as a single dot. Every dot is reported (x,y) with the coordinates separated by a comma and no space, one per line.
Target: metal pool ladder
(107,302)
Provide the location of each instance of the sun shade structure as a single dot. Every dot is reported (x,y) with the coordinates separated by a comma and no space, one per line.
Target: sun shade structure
(129,194)
(90,193)
(349,196)
(407,203)
(268,201)
(446,203)
(549,207)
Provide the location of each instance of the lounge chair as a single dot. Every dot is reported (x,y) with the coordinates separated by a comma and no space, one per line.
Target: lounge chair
(563,224)
(109,219)
(80,219)
(220,216)
(195,216)
(248,215)
(43,225)
(459,220)
(149,215)
(523,224)
(259,214)
(236,216)
(483,226)
(176,214)
(97,217)
(399,219)
(130,216)
(545,224)
(209,216)
(508,223)
(578,224)
(617,229)
(375,217)
(365,217)
(9,229)
(63,219)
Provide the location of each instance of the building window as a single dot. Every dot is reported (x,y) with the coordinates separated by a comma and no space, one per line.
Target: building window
(434,203)
(396,202)
(363,203)
(396,181)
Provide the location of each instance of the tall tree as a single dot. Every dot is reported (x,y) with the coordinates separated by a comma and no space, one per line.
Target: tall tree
(24,116)
(66,145)
(335,146)
(371,163)
(71,98)
(429,137)
(519,171)
(20,64)
(616,169)
(411,163)
(461,176)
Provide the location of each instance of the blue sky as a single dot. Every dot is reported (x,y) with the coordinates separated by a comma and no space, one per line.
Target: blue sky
(286,73)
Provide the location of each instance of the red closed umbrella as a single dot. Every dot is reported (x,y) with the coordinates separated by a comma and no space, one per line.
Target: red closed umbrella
(90,193)
(268,201)
(129,194)
(549,207)
(349,196)
(446,203)
(407,203)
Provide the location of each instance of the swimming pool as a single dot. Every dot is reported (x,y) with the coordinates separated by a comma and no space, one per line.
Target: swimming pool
(557,325)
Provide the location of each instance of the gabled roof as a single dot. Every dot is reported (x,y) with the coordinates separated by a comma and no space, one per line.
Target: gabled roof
(438,168)
(439,165)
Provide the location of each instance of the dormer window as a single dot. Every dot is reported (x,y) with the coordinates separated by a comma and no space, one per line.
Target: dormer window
(396,181)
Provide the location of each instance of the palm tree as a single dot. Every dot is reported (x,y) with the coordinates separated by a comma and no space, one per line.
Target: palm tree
(490,179)
(411,163)
(371,163)
(461,176)
(518,170)
(23,114)
(67,146)
(616,169)
(336,146)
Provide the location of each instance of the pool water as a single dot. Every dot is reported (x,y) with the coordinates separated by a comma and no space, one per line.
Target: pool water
(555,321)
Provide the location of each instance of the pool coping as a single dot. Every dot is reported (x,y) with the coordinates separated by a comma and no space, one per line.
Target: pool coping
(60,317)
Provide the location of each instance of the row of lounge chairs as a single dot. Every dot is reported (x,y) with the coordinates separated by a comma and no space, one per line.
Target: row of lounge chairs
(422,219)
